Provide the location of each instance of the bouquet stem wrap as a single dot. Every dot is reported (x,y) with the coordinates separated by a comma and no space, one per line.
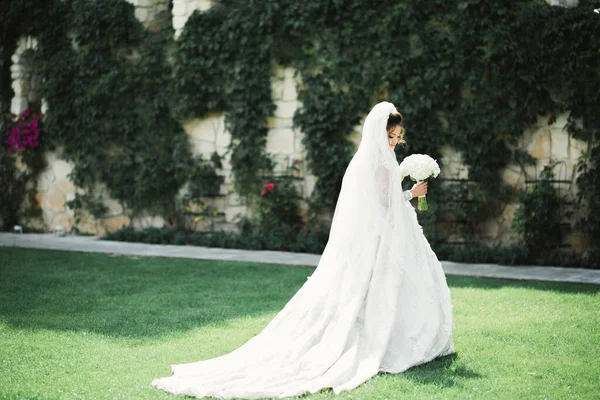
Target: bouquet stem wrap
(422,203)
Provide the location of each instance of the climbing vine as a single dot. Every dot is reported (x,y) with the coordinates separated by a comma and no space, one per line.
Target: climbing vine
(224,63)
(470,74)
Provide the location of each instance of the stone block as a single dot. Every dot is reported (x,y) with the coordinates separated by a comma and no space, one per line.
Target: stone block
(17,87)
(277,89)
(179,22)
(560,142)
(298,146)
(578,148)
(233,213)
(223,141)
(289,89)
(203,5)
(114,207)
(513,176)
(540,145)
(179,8)
(286,109)
(112,224)
(280,141)
(234,200)
(87,224)
(54,200)
(454,170)
(17,105)
(61,169)
(206,129)
(142,14)
(309,185)
(62,220)
(145,3)
(202,147)
(45,180)
(66,187)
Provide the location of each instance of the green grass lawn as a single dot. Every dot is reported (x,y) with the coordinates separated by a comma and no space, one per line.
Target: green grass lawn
(91,326)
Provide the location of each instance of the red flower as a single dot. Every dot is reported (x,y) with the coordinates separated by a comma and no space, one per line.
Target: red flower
(262,192)
(269,186)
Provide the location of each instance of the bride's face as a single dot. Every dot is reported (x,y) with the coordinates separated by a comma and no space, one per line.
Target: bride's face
(395,136)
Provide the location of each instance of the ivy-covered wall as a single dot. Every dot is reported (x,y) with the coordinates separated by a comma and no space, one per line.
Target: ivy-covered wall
(473,78)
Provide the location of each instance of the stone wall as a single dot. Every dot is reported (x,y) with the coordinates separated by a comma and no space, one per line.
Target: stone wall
(550,145)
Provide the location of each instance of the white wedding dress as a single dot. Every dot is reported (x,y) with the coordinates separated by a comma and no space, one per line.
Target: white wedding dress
(377,302)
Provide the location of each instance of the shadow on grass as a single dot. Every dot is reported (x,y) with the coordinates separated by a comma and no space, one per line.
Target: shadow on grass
(135,297)
(441,372)
(495,283)
(151,297)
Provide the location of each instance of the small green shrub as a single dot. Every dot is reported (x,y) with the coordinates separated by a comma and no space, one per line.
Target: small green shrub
(537,220)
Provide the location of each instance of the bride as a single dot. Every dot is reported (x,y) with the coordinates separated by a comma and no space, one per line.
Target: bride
(377,302)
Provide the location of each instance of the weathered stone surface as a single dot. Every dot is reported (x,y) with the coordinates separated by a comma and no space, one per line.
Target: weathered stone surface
(54,200)
(88,225)
(232,213)
(298,146)
(17,105)
(179,23)
(540,144)
(286,109)
(203,5)
(277,88)
(114,207)
(514,177)
(280,140)
(66,187)
(142,14)
(63,220)
(147,221)
(62,169)
(309,185)
(289,86)
(112,224)
(178,8)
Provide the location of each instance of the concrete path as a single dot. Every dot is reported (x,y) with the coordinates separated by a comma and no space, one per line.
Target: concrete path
(94,245)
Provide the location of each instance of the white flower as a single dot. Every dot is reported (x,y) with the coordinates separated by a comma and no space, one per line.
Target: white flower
(419,167)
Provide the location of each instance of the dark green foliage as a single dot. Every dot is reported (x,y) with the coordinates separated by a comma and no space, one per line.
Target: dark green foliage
(469,74)
(108,83)
(17,193)
(224,64)
(281,238)
(115,121)
(12,191)
(277,206)
(537,220)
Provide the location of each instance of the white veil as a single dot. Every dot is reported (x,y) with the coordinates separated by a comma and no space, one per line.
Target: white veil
(378,300)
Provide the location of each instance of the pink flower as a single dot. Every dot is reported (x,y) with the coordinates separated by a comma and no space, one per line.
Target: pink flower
(269,186)
(262,192)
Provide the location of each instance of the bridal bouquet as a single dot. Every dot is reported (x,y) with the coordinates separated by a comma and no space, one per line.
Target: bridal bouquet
(420,168)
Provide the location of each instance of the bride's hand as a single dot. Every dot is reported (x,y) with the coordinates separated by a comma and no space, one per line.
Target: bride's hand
(419,189)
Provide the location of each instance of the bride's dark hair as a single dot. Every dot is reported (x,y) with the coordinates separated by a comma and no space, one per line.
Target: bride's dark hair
(393,121)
